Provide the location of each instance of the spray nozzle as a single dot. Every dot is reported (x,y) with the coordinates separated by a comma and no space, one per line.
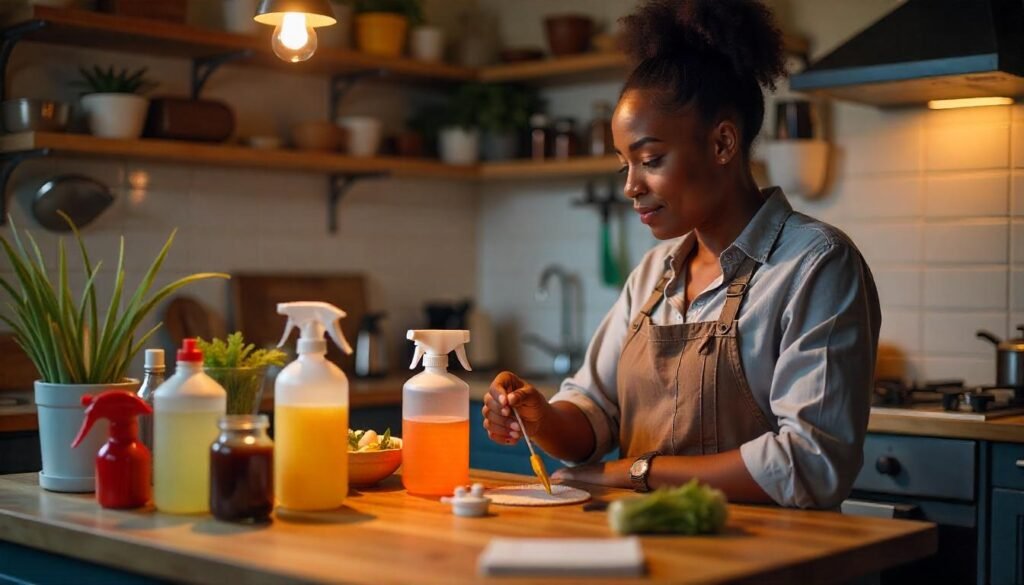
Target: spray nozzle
(313,318)
(116,405)
(439,343)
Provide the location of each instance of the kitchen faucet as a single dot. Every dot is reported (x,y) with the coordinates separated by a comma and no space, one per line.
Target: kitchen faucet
(567,355)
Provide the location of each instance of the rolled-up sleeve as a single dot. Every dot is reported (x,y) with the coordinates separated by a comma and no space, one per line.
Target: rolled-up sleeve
(593,387)
(821,387)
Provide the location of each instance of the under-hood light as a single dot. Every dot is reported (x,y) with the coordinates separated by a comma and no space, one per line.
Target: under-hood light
(969,103)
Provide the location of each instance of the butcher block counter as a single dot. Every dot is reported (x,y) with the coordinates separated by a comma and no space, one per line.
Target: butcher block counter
(384,535)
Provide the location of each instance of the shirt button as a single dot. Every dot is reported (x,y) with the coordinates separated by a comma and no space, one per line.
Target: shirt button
(679,317)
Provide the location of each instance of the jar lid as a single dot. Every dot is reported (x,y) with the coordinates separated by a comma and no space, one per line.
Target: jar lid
(243,422)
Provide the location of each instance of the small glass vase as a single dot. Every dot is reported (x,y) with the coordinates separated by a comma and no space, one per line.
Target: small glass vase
(244,387)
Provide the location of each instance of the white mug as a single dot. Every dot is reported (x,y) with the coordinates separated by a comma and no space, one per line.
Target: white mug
(427,43)
(364,134)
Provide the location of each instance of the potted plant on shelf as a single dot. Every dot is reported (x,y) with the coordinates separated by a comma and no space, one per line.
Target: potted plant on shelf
(382,25)
(504,117)
(76,349)
(111,100)
(240,368)
(459,138)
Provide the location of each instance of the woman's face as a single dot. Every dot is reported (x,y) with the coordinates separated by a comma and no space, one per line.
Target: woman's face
(671,164)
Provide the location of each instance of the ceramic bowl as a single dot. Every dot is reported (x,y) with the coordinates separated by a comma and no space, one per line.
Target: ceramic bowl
(367,468)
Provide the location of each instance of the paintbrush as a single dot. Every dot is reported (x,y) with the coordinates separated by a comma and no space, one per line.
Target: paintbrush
(535,460)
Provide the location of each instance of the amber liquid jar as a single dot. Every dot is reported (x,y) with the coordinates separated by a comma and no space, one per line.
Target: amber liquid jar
(242,470)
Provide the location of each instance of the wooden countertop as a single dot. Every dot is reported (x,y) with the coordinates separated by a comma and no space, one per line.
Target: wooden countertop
(384,535)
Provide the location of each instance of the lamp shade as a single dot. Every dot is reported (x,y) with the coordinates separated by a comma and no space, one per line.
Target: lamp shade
(318,12)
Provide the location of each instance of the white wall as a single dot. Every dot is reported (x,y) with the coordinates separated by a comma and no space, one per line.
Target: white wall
(933,199)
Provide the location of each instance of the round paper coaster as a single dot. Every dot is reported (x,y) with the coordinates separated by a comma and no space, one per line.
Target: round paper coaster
(533,494)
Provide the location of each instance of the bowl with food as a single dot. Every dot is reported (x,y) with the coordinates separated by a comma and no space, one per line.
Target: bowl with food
(372,456)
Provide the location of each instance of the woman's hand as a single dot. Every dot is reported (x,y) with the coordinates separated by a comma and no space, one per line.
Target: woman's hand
(607,473)
(509,391)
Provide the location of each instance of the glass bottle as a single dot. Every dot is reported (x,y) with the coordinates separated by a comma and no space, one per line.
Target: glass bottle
(601,130)
(242,469)
(567,144)
(154,371)
(540,137)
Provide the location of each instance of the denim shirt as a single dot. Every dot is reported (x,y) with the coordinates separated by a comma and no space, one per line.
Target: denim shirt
(808,332)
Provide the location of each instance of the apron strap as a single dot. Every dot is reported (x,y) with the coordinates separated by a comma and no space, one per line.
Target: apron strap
(734,295)
(652,302)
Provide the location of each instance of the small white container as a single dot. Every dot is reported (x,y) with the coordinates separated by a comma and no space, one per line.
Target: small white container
(459,146)
(426,43)
(115,115)
(238,16)
(798,166)
(364,134)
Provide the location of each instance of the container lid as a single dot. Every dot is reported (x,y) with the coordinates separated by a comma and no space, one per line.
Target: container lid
(1016,344)
(189,352)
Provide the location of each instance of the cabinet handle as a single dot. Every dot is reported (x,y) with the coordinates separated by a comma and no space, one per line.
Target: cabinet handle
(1020,463)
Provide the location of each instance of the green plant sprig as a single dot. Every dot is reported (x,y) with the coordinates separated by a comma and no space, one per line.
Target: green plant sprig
(235,353)
(99,80)
(66,342)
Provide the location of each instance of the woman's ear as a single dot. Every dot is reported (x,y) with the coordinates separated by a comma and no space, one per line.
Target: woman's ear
(725,141)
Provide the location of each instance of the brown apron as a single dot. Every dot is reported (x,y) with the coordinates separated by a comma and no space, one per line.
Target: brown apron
(681,387)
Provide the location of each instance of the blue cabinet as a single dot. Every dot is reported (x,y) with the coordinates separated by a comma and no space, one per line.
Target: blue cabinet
(1006,544)
(486,454)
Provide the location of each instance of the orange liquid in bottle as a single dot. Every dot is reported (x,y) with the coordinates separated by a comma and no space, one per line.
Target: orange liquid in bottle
(435,454)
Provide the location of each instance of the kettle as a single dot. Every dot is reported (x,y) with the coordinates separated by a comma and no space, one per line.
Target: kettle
(371,349)
(1009,359)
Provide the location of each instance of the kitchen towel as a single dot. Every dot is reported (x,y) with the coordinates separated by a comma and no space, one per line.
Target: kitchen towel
(562,557)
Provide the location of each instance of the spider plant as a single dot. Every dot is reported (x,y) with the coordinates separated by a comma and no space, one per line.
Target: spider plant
(68,342)
(109,80)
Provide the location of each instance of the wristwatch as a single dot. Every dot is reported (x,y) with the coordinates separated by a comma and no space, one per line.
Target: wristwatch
(640,470)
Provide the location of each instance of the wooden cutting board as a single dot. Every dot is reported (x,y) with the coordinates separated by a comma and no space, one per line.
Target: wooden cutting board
(255,298)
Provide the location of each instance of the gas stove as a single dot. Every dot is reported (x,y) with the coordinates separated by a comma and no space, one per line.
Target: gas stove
(949,399)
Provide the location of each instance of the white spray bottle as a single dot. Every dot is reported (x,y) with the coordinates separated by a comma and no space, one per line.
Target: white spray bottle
(435,416)
(311,413)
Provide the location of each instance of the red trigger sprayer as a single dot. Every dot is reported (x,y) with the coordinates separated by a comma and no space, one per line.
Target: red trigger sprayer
(123,462)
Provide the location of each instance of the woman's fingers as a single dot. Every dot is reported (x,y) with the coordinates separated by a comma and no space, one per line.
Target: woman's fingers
(502,429)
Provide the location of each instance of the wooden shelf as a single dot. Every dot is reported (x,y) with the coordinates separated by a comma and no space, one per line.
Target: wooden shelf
(231,155)
(528,169)
(83,28)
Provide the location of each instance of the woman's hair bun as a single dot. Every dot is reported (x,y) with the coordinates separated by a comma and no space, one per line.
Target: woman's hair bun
(742,32)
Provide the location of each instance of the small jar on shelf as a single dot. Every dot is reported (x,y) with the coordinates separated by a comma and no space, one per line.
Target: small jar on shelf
(567,143)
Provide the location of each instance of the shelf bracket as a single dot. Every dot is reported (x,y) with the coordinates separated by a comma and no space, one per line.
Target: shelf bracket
(337,187)
(8,162)
(204,67)
(8,39)
(343,83)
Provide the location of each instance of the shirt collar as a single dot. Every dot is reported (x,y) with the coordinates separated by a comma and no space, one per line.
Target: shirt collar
(756,240)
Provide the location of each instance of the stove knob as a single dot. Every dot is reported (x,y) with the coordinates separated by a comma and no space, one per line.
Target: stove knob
(887,465)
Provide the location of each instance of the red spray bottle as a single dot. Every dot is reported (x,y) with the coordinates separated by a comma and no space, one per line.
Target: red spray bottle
(123,462)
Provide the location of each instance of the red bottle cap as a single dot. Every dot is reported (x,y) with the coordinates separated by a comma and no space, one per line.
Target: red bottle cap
(189,352)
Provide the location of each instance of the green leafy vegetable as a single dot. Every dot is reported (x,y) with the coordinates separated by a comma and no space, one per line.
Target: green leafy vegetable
(690,509)
(362,441)
(99,80)
(235,353)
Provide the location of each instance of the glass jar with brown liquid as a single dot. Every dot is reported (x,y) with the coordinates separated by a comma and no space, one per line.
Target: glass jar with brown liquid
(242,470)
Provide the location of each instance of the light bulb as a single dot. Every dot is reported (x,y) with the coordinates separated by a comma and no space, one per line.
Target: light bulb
(294,40)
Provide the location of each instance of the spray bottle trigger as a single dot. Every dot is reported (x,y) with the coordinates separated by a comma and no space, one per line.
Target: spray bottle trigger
(460,351)
(416,356)
(90,419)
(339,337)
(287,331)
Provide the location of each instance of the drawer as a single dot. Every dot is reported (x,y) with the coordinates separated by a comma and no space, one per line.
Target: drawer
(918,466)
(1008,465)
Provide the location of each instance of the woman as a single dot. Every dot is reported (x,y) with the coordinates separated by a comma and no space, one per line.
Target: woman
(740,352)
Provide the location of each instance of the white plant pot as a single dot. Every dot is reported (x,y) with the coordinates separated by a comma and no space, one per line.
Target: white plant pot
(364,134)
(60,412)
(799,167)
(427,43)
(115,115)
(238,16)
(459,146)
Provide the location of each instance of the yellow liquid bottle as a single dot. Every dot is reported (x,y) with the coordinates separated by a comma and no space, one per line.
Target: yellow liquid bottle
(311,414)
(311,456)
(186,410)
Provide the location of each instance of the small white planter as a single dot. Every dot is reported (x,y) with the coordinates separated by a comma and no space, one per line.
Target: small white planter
(459,146)
(115,115)
(427,43)
(364,134)
(60,412)
(798,166)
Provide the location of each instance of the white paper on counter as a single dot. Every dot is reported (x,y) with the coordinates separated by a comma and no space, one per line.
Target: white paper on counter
(592,557)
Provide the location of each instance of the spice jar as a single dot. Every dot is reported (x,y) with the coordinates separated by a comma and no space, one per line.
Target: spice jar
(242,469)
(567,143)
(601,130)
(541,139)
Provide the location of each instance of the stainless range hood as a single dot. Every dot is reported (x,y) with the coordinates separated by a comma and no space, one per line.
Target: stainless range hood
(927,50)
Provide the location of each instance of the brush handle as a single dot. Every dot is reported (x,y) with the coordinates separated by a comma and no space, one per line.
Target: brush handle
(523,430)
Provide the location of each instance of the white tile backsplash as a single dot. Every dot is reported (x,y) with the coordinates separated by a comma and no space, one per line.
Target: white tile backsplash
(1017,289)
(901,328)
(972,370)
(953,332)
(967,146)
(977,241)
(949,288)
(886,243)
(967,195)
(898,287)
(1017,241)
(1017,194)
(885,197)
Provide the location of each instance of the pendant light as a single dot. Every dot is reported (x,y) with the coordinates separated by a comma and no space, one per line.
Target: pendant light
(294,37)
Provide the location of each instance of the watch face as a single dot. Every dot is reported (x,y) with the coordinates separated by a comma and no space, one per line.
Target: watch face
(638,468)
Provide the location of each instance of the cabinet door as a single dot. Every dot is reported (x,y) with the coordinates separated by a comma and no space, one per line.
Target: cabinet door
(1006,550)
